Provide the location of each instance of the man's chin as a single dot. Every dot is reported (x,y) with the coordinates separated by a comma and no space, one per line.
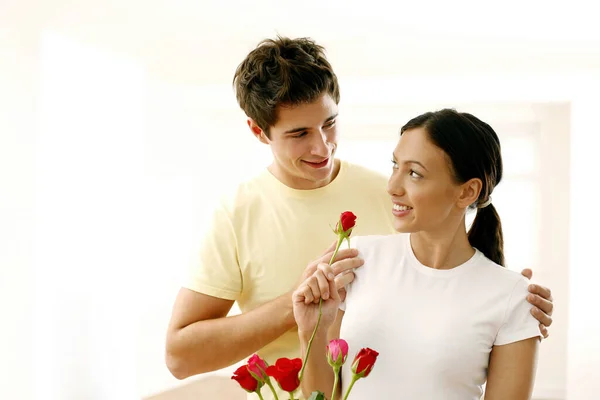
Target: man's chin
(321,175)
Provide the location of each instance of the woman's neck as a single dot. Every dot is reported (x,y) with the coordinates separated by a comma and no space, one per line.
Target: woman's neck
(442,250)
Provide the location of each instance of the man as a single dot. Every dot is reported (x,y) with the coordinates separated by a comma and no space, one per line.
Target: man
(264,236)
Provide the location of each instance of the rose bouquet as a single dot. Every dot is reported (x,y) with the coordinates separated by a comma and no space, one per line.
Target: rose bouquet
(288,373)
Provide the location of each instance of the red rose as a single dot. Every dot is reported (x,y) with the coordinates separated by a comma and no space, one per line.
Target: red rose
(363,362)
(246,381)
(257,368)
(285,372)
(348,220)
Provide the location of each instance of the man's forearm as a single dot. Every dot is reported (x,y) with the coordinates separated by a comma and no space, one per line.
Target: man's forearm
(218,343)
(318,374)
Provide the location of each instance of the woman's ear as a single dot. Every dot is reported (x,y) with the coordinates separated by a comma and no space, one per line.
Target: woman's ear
(469,193)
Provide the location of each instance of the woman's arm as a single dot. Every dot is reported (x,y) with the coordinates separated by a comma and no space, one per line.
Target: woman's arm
(511,372)
(318,374)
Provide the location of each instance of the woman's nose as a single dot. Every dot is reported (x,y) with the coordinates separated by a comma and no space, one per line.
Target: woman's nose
(395,186)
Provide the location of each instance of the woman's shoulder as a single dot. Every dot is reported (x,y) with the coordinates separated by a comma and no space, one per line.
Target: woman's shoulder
(501,277)
(370,241)
(370,245)
(380,254)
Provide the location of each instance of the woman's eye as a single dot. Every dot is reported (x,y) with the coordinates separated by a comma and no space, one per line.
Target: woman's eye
(414,174)
(394,164)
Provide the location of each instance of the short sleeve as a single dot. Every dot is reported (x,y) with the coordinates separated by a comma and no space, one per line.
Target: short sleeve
(215,270)
(518,324)
(353,245)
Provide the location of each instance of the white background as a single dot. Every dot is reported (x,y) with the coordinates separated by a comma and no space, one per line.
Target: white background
(118,127)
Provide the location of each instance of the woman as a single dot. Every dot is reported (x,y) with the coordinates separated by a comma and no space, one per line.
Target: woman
(434,300)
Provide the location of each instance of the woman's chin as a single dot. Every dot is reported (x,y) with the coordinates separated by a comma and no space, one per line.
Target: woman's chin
(402,227)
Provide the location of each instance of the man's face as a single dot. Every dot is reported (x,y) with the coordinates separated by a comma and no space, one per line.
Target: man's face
(303,142)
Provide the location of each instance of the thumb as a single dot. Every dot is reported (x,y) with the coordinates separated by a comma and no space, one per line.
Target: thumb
(297,297)
(527,273)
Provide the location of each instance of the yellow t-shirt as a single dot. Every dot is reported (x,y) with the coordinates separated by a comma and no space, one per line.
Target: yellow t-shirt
(263,237)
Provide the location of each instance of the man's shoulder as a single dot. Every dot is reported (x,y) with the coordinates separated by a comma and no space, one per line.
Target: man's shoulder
(357,171)
(235,194)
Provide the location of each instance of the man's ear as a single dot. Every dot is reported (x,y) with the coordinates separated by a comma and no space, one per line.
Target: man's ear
(257,131)
(469,193)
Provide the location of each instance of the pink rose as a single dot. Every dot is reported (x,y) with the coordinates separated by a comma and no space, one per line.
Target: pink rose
(337,352)
(258,368)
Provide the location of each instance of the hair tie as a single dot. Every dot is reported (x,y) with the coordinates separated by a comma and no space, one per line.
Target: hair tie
(486,203)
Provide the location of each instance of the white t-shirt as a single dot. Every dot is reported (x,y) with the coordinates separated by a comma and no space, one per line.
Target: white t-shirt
(433,329)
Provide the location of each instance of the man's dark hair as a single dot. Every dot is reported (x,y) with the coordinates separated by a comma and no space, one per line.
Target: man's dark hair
(282,71)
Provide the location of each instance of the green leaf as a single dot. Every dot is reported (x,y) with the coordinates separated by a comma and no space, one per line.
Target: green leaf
(317,396)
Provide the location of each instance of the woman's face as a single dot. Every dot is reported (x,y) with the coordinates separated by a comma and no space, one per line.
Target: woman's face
(424,191)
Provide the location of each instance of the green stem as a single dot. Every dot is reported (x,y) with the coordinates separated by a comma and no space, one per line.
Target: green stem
(259,395)
(272,388)
(291,395)
(336,370)
(336,251)
(310,341)
(312,337)
(354,379)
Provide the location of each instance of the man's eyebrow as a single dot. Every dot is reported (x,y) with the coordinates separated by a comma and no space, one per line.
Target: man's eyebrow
(296,130)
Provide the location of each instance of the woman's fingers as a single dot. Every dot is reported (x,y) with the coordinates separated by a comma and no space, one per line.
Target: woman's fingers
(321,284)
(313,287)
(333,289)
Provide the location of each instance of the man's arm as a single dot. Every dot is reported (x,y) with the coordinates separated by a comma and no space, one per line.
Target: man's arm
(511,372)
(201,338)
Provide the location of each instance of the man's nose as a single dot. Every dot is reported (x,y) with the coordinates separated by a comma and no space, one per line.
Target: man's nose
(319,145)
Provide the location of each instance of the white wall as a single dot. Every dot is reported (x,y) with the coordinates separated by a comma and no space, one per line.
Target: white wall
(90,222)
(584,273)
(18,87)
(555,241)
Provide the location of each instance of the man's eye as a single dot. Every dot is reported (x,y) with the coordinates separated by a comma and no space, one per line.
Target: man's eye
(301,134)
